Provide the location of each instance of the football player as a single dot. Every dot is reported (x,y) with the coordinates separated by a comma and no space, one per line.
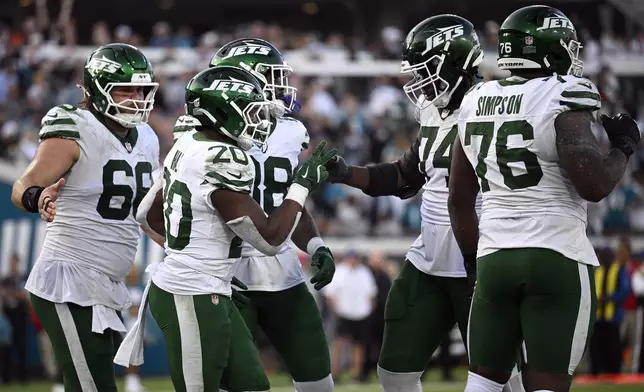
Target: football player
(209,213)
(431,294)
(99,157)
(526,144)
(280,303)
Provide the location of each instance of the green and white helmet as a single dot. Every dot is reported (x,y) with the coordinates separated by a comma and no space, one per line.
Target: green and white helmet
(119,65)
(442,53)
(230,100)
(539,37)
(266,63)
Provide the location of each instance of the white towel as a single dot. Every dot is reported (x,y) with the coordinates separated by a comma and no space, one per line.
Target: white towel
(131,350)
(104,318)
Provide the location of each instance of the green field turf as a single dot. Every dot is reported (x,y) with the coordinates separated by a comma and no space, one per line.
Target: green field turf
(281,383)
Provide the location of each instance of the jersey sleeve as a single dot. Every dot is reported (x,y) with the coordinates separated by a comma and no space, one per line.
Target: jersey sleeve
(577,94)
(60,122)
(228,167)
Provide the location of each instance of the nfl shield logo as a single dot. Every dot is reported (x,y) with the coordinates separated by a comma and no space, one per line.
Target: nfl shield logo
(215,299)
(529,40)
(128,146)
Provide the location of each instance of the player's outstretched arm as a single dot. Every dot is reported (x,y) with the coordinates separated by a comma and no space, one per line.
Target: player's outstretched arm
(54,157)
(150,213)
(593,173)
(401,178)
(461,204)
(307,237)
(268,233)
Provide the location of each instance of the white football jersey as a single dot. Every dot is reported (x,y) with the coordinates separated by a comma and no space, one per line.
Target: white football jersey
(273,176)
(435,251)
(507,131)
(94,235)
(201,250)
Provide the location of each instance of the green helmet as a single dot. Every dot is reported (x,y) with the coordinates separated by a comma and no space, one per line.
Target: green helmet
(266,63)
(231,101)
(119,65)
(539,37)
(443,53)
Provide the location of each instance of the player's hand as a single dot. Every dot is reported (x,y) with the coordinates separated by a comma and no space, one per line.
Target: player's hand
(622,132)
(312,173)
(239,299)
(338,169)
(323,267)
(47,200)
(469,262)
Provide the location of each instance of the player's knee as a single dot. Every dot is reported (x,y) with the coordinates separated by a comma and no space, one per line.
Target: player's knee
(399,382)
(323,385)
(479,383)
(541,381)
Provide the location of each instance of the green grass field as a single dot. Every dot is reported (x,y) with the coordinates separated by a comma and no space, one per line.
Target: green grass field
(282,383)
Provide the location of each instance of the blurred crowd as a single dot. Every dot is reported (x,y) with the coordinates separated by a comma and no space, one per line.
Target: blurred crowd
(368,119)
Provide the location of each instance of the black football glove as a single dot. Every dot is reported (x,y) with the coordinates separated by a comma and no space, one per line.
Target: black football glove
(239,299)
(622,132)
(338,169)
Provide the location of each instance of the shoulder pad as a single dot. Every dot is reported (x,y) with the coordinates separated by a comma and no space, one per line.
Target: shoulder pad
(229,167)
(183,124)
(475,87)
(61,122)
(578,94)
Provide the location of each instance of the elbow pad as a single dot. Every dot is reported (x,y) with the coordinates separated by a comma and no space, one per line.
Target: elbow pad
(244,228)
(146,204)
(383,181)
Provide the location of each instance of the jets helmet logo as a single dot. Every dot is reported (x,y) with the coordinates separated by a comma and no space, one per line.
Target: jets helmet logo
(444,34)
(233,85)
(102,65)
(555,23)
(248,49)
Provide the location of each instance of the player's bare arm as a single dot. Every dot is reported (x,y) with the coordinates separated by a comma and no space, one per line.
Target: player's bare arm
(592,172)
(150,213)
(401,178)
(54,157)
(249,221)
(307,237)
(274,229)
(463,189)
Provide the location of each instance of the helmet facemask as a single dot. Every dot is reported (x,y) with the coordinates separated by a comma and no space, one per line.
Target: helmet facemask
(429,85)
(281,92)
(256,122)
(128,116)
(576,65)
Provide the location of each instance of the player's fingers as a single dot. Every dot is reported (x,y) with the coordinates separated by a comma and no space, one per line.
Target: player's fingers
(604,118)
(320,147)
(329,154)
(58,185)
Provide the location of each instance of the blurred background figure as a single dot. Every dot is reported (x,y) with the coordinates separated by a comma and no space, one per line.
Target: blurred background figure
(16,310)
(351,296)
(613,286)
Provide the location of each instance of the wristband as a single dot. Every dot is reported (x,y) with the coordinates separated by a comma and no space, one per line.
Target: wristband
(314,244)
(30,198)
(297,193)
